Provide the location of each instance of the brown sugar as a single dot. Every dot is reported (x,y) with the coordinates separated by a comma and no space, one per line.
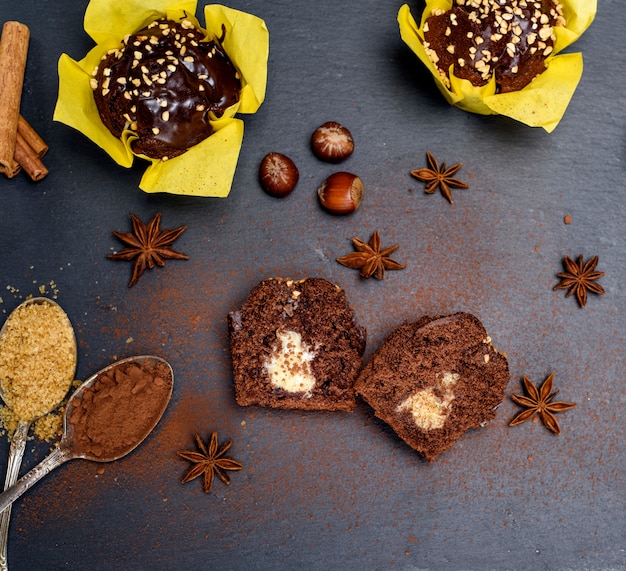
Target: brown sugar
(37,359)
(8,419)
(50,426)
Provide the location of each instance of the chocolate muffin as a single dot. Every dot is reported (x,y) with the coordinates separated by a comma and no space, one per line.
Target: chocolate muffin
(434,379)
(165,84)
(296,344)
(478,39)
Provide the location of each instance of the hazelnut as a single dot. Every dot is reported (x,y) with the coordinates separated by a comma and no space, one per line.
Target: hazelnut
(278,174)
(332,142)
(341,193)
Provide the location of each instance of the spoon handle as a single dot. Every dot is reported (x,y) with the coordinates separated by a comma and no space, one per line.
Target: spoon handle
(54,460)
(16,452)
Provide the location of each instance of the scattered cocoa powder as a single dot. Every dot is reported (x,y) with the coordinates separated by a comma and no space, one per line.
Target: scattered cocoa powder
(120,408)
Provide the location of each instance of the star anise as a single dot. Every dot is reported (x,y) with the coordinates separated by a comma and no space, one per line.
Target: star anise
(370,259)
(579,277)
(149,245)
(209,462)
(437,177)
(539,401)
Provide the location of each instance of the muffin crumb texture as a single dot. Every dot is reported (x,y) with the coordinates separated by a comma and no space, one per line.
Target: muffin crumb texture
(296,344)
(434,379)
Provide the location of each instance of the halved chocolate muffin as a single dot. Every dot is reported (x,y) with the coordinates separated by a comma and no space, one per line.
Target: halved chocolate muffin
(434,379)
(296,344)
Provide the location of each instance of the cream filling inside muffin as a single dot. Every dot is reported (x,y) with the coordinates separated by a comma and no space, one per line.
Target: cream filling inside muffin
(289,364)
(430,411)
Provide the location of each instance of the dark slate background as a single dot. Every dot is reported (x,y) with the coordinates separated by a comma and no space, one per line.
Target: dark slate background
(321,490)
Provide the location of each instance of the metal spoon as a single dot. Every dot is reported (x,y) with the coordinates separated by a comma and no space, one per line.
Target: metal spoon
(18,440)
(68,450)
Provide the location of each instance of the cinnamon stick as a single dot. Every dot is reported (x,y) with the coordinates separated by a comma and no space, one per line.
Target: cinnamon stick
(35,142)
(13,52)
(29,160)
(13,169)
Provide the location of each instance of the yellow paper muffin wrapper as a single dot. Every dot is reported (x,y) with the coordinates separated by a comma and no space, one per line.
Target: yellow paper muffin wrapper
(208,168)
(543,101)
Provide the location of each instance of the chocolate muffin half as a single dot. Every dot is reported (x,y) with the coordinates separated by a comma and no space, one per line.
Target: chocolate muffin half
(434,379)
(296,344)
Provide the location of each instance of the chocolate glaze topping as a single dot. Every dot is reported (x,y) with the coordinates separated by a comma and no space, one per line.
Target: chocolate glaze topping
(506,38)
(163,84)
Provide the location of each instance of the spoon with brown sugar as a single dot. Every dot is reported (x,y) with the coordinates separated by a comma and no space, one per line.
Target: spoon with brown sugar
(37,366)
(107,417)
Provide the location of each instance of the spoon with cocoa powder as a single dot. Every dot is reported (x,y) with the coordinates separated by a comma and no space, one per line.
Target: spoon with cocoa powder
(37,366)
(107,417)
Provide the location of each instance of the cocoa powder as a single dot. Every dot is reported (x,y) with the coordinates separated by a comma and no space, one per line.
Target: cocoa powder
(120,409)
